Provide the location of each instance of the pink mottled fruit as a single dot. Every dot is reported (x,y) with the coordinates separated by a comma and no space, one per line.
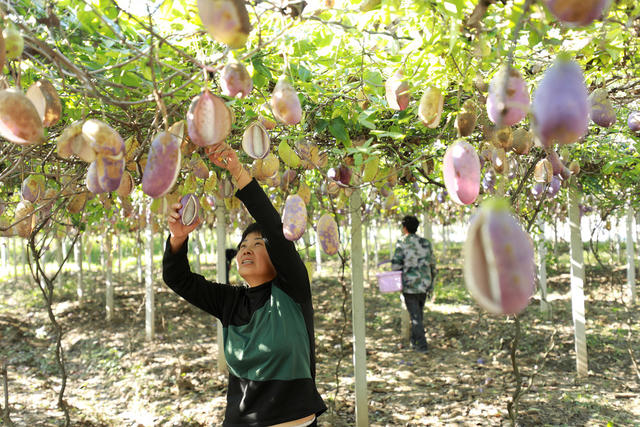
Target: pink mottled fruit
(397,91)
(189,210)
(602,111)
(576,12)
(20,121)
(515,105)
(45,98)
(294,218)
(461,171)
(235,80)
(285,103)
(209,119)
(33,188)
(498,260)
(327,230)
(227,21)
(91,180)
(634,121)
(198,166)
(109,170)
(163,165)
(560,105)
(104,140)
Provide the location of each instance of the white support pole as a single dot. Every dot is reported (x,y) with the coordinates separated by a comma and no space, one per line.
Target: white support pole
(427,229)
(376,259)
(137,251)
(119,256)
(150,313)
(221,266)
(357,301)
(108,266)
(366,249)
(542,269)
(577,280)
(14,258)
(77,254)
(631,267)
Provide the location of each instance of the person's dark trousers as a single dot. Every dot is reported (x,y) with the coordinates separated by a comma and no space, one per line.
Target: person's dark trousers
(415,306)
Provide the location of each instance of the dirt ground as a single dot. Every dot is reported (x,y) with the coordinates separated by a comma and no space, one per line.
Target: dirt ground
(116,378)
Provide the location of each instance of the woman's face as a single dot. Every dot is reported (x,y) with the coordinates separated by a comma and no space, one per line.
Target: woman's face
(254,264)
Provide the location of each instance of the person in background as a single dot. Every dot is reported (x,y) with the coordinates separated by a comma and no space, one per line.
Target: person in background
(268,326)
(414,256)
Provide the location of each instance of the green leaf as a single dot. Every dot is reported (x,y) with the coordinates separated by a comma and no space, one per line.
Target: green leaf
(338,128)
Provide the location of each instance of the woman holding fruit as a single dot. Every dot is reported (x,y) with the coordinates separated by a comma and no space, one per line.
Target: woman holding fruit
(269,339)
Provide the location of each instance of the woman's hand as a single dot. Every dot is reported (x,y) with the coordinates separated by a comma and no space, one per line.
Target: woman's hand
(179,231)
(225,157)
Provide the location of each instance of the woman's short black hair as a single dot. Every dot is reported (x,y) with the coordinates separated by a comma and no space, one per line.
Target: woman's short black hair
(411,223)
(252,228)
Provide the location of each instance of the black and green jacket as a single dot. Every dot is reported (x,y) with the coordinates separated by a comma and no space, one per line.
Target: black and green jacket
(269,339)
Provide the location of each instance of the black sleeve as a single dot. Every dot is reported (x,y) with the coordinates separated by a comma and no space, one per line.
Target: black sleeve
(214,298)
(284,256)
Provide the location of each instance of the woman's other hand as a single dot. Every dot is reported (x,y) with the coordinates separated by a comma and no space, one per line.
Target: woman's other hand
(225,157)
(179,231)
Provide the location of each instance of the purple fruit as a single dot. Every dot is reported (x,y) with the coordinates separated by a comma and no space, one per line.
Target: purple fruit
(515,106)
(634,121)
(537,191)
(91,179)
(576,12)
(441,196)
(285,103)
(294,218)
(227,21)
(327,231)
(189,210)
(560,105)
(461,172)
(209,119)
(163,165)
(235,80)
(602,112)
(109,170)
(397,91)
(554,186)
(33,188)
(557,166)
(498,260)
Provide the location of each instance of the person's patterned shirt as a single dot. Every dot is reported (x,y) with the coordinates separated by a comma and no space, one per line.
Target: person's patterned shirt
(414,256)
